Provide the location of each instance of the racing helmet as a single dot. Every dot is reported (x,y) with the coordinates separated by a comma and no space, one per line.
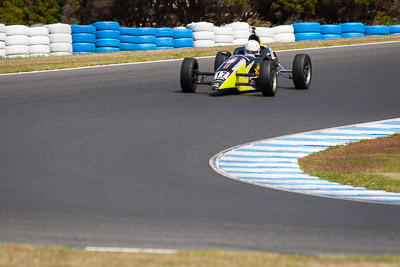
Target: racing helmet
(252,48)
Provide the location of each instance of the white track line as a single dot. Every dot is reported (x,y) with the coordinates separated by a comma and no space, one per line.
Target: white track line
(132,250)
(273,162)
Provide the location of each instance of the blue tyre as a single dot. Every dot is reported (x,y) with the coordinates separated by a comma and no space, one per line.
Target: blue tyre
(108,43)
(306,27)
(182,33)
(128,31)
(146,46)
(331,36)
(164,32)
(351,27)
(393,29)
(377,30)
(108,34)
(183,43)
(128,39)
(107,49)
(83,29)
(82,53)
(146,31)
(83,38)
(83,47)
(106,25)
(165,41)
(308,36)
(146,39)
(128,47)
(353,35)
(331,29)
(164,47)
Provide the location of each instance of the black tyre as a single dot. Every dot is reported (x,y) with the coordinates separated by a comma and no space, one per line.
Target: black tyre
(239,51)
(302,71)
(268,81)
(189,70)
(220,58)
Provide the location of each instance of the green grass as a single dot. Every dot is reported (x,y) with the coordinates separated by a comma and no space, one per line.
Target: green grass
(32,256)
(374,164)
(36,64)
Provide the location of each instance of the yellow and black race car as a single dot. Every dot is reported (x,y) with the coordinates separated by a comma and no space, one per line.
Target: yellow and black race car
(246,72)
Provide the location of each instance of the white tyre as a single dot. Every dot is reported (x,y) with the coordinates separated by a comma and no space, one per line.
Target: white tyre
(16,30)
(58,28)
(203,35)
(223,31)
(2,37)
(17,40)
(2,28)
(2,53)
(241,34)
(39,40)
(265,32)
(239,26)
(284,29)
(18,56)
(223,44)
(267,40)
(179,28)
(60,53)
(285,37)
(60,47)
(17,50)
(201,26)
(2,45)
(60,38)
(38,31)
(240,41)
(203,43)
(39,49)
(223,38)
(39,55)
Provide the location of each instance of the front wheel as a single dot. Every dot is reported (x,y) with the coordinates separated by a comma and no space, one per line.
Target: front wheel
(189,70)
(220,58)
(268,81)
(302,71)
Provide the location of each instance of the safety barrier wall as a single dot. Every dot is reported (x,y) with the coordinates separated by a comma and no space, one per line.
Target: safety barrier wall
(108,36)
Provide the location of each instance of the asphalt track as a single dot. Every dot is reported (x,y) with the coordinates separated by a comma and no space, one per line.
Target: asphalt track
(118,157)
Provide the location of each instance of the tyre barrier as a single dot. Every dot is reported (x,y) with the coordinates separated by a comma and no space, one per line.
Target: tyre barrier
(203,34)
(394,29)
(17,41)
(267,35)
(39,42)
(223,36)
(377,30)
(183,38)
(165,38)
(307,31)
(60,39)
(353,29)
(330,31)
(128,38)
(2,40)
(83,39)
(146,39)
(284,33)
(107,36)
(241,32)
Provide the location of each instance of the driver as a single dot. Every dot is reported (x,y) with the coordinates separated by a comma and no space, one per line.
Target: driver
(252,48)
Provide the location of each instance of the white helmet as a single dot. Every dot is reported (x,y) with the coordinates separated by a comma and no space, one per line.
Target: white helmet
(252,48)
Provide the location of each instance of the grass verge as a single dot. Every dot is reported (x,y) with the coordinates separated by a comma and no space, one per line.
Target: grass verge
(374,164)
(24,255)
(36,64)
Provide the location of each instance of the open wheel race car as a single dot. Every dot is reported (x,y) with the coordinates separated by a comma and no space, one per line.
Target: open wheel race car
(246,72)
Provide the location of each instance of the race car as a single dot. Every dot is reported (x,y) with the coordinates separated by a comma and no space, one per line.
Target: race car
(252,68)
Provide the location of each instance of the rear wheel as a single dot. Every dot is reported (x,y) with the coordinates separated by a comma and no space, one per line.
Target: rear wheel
(268,81)
(221,57)
(189,70)
(239,51)
(302,71)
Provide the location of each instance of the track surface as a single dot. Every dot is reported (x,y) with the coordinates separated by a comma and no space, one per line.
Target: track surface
(118,156)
